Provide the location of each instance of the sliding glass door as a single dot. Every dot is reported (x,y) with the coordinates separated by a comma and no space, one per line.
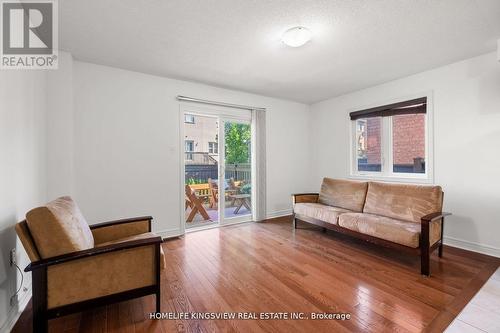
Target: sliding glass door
(236,171)
(201,169)
(217,169)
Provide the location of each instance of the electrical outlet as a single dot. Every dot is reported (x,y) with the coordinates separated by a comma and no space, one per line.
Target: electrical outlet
(13,257)
(13,300)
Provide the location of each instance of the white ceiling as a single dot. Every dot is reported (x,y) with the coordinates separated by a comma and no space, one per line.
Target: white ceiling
(236,43)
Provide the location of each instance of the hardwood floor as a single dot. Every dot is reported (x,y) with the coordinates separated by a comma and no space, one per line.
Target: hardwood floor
(269,267)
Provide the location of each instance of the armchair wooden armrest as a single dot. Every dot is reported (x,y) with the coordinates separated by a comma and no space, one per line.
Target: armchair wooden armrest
(92,252)
(123,221)
(425,234)
(305,197)
(116,229)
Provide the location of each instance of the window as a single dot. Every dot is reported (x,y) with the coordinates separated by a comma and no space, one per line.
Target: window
(189,148)
(213,148)
(189,118)
(391,141)
(408,143)
(369,145)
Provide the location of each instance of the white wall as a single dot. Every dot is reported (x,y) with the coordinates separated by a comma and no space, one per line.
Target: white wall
(22,173)
(126,144)
(466,142)
(60,128)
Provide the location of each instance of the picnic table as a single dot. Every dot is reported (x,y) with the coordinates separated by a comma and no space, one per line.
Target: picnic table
(241,200)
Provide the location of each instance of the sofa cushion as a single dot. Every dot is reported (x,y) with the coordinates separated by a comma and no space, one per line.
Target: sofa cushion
(347,194)
(319,211)
(59,228)
(396,231)
(402,201)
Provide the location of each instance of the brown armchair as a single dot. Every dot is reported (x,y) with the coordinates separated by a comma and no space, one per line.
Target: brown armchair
(76,266)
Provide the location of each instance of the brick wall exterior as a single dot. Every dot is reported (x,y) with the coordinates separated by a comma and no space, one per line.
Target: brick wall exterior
(408,138)
(374,144)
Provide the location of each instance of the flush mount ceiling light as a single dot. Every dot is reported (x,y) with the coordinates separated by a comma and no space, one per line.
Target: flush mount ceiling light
(296,36)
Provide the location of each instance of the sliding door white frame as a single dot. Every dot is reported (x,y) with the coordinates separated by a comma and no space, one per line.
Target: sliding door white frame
(223,114)
(222,171)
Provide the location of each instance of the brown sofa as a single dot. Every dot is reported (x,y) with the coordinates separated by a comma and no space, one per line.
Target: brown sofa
(405,217)
(76,266)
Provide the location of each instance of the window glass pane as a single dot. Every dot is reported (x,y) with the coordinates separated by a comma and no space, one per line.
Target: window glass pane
(368,144)
(189,148)
(212,148)
(238,169)
(189,118)
(189,145)
(408,143)
(201,171)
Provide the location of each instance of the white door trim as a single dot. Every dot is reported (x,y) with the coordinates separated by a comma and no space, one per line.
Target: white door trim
(223,114)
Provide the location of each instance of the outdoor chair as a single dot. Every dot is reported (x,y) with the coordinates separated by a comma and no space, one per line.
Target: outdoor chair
(196,205)
(213,193)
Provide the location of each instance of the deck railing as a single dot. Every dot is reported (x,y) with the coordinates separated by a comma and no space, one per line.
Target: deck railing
(199,158)
(241,171)
(200,173)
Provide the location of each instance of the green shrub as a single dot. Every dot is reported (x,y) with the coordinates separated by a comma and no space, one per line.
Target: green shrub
(194,181)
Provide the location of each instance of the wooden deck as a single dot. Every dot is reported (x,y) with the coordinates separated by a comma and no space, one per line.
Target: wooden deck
(214,216)
(263,267)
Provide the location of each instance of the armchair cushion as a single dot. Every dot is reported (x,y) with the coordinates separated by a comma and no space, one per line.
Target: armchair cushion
(25,236)
(59,228)
(319,211)
(117,231)
(396,231)
(102,275)
(136,237)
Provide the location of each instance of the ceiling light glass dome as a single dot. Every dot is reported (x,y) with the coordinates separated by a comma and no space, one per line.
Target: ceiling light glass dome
(296,36)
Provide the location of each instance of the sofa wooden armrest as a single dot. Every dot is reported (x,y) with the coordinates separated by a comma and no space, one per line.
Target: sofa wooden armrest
(305,197)
(112,230)
(434,216)
(425,246)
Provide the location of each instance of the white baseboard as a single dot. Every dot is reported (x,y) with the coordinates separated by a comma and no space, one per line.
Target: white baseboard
(279,213)
(169,233)
(472,246)
(16,311)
